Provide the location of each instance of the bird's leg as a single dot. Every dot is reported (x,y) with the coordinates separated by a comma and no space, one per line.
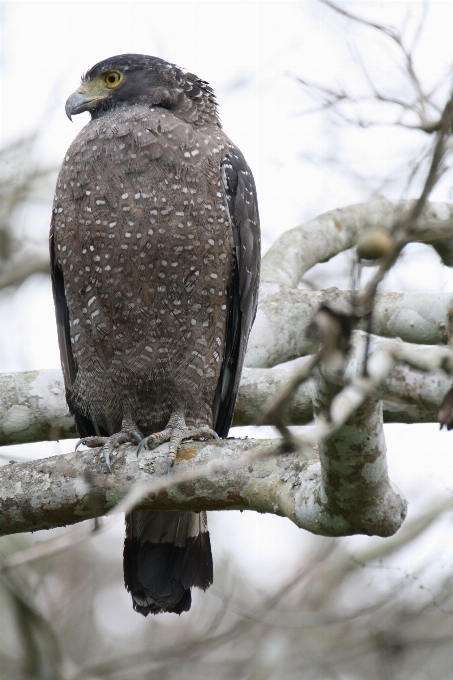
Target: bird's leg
(129,433)
(176,431)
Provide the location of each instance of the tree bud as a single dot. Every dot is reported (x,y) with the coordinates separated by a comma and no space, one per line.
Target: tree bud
(374,244)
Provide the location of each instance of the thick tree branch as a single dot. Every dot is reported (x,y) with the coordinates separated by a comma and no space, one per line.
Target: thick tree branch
(33,406)
(319,239)
(361,436)
(409,395)
(284,314)
(230,474)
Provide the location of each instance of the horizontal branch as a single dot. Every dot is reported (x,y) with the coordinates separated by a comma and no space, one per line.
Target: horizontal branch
(284,314)
(323,237)
(228,474)
(33,406)
(413,396)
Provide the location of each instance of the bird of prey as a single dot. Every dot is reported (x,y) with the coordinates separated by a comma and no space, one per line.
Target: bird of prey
(155,250)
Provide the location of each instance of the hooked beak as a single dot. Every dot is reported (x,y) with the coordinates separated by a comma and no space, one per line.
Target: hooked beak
(78,103)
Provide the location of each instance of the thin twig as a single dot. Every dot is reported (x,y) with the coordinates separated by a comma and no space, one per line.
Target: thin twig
(404,230)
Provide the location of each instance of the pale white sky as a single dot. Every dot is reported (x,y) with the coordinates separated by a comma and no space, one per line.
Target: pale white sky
(250,52)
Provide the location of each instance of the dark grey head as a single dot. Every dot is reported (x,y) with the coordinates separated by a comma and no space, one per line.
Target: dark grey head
(129,79)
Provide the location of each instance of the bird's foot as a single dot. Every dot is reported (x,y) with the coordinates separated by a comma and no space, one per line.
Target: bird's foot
(109,444)
(176,435)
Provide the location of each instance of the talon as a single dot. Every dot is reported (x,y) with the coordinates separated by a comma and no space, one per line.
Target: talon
(137,435)
(91,442)
(175,433)
(171,457)
(169,462)
(107,460)
(143,443)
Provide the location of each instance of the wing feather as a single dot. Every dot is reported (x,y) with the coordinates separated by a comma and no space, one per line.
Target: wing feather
(85,426)
(242,204)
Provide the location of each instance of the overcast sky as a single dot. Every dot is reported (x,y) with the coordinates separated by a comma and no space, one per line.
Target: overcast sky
(250,52)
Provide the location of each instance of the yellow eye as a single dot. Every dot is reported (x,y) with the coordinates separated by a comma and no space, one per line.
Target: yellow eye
(113,78)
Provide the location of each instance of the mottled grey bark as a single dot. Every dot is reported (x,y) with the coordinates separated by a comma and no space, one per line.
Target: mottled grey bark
(229,474)
(279,332)
(355,452)
(317,240)
(33,408)
(414,395)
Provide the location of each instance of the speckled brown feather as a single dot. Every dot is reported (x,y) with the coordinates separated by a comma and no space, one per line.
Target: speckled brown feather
(155,257)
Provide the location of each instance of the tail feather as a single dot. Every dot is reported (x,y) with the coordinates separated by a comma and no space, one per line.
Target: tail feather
(165,554)
(197,565)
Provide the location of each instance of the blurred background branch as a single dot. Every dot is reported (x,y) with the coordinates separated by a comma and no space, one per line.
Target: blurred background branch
(23,182)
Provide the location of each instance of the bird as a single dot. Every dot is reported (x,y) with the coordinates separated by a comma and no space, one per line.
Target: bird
(155,259)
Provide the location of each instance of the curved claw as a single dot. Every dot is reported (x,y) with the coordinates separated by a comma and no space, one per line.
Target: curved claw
(137,435)
(175,436)
(106,453)
(142,443)
(91,442)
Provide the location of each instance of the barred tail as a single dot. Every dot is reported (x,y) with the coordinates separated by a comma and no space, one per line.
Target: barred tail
(165,554)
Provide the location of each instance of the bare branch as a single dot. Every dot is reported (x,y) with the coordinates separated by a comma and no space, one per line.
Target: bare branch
(419,103)
(409,395)
(231,474)
(383,28)
(319,239)
(406,227)
(330,576)
(395,35)
(280,331)
(344,492)
(22,182)
(40,643)
(338,101)
(33,406)
(277,406)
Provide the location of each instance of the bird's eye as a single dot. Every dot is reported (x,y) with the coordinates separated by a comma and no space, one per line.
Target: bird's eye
(112,78)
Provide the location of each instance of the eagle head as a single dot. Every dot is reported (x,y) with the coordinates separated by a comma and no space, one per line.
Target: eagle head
(129,79)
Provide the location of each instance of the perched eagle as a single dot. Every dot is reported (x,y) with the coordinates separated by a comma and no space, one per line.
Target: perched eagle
(155,250)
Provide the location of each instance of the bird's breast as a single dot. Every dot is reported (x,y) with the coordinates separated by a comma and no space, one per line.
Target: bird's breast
(145,249)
